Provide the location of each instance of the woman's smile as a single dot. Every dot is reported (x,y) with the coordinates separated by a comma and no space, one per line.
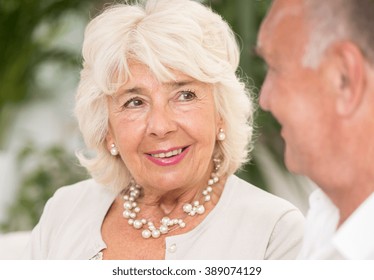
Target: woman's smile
(168,157)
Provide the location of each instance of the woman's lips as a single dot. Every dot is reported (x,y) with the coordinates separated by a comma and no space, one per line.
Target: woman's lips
(169,157)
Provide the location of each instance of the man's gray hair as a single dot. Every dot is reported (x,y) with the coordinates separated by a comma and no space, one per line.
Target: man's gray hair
(334,20)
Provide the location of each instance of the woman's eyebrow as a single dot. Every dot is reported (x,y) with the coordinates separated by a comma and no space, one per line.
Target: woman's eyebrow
(123,92)
(131,90)
(177,84)
(140,90)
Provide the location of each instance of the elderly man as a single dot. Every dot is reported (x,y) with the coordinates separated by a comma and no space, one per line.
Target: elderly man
(320,87)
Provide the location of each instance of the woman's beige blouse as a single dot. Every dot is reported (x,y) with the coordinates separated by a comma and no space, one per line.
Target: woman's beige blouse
(247,223)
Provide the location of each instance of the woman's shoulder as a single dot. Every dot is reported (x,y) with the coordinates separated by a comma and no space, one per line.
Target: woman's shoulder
(81,198)
(252,198)
(72,214)
(271,221)
(84,190)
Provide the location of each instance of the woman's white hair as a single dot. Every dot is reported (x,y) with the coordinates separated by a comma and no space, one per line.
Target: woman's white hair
(167,36)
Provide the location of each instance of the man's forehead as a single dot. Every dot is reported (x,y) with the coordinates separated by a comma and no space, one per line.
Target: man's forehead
(283,12)
(279,11)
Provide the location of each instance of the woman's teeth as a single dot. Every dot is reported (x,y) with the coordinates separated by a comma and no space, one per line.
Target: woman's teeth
(168,154)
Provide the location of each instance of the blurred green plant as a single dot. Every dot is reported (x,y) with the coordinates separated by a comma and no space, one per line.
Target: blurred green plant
(42,172)
(27,28)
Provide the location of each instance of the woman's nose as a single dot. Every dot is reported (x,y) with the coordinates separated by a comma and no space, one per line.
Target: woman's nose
(161,121)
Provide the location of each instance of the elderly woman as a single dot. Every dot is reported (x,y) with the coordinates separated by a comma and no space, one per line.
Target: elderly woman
(167,123)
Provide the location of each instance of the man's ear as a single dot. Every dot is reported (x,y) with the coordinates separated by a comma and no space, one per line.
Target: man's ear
(350,77)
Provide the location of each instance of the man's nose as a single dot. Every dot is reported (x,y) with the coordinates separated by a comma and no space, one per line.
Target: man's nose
(264,98)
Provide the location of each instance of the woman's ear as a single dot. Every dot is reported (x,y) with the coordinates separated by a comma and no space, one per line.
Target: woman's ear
(109,138)
(220,123)
(350,66)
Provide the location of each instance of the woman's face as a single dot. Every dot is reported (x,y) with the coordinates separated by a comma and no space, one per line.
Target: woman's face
(165,132)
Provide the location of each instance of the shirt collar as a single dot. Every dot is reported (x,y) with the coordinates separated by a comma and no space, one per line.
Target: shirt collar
(354,238)
(322,219)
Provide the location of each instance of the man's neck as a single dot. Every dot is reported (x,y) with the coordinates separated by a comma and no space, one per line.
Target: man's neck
(348,200)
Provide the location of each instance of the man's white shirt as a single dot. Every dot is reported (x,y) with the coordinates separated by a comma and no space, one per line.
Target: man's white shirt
(354,239)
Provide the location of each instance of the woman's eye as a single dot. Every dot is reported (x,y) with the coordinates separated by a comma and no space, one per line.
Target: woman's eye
(133,103)
(186,96)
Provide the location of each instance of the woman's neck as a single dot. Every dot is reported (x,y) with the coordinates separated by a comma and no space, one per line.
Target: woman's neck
(160,204)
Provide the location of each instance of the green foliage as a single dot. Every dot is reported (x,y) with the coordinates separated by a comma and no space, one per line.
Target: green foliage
(245,16)
(41,172)
(25,45)
(28,29)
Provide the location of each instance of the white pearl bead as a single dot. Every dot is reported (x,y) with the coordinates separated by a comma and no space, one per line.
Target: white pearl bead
(136,209)
(126,214)
(130,221)
(133,215)
(156,233)
(200,210)
(187,208)
(182,225)
(196,203)
(221,136)
(114,151)
(205,192)
(137,224)
(192,213)
(165,220)
(152,228)
(207,198)
(127,205)
(209,189)
(126,197)
(144,221)
(210,182)
(146,233)
(164,229)
(175,221)
(215,179)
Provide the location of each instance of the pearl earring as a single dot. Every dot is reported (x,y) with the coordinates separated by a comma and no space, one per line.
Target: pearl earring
(114,150)
(221,135)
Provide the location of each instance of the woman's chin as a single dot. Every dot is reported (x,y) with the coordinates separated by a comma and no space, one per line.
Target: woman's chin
(166,183)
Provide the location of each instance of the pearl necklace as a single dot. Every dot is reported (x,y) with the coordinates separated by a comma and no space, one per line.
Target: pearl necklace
(131,209)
